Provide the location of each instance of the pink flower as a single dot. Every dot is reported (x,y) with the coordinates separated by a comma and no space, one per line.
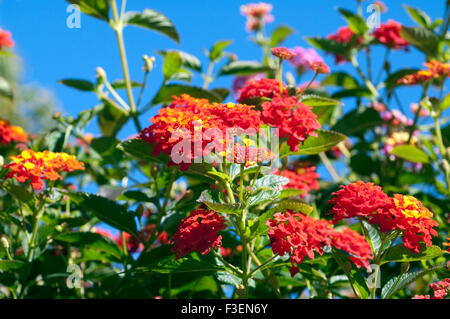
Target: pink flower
(304,57)
(320,67)
(283,53)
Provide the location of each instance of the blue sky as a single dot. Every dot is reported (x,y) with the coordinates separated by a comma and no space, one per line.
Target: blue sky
(51,51)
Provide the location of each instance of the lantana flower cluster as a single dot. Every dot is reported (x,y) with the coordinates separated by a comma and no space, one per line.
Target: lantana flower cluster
(302,236)
(258,15)
(434,70)
(198,232)
(36,167)
(11,133)
(405,214)
(302,178)
(440,290)
(5,39)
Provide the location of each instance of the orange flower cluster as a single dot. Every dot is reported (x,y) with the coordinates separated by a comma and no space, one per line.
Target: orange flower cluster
(38,166)
(188,118)
(435,70)
(268,88)
(301,236)
(303,178)
(400,213)
(10,133)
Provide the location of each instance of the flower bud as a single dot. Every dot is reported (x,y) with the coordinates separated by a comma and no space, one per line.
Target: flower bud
(101,74)
(56,115)
(4,242)
(140,211)
(148,62)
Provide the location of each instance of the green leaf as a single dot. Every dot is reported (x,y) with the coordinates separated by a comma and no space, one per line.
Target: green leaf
(120,84)
(111,119)
(94,240)
(421,38)
(6,89)
(329,45)
(166,93)
(280,34)
(315,100)
(354,274)
(356,122)
(96,8)
(222,92)
(356,23)
(341,79)
(106,210)
(243,68)
(172,64)
(399,253)
(7,265)
(153,20)
(21,194)
(142,150)
(419,16)
(216,51)
(315,145)
(271,182)
(189,61)
(213,200)
(81,85)
(374,236)
(228,279)
(264,196)
(399,282)
(104,144)
(411,153)
(356,92)
(445,103)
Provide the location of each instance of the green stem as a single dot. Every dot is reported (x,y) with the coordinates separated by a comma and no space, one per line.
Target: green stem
(207,79)
(368,83)
(118,28)
(36,219)
(280,75)
(443,152)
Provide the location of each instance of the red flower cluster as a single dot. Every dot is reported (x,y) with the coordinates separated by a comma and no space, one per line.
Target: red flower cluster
(249,156)
(402,213)
(301,236)
(198,232)
(389,35)
(283,53)
(10,133)
(435,70)
(134,244)
(268,88)
(295,120)
(5,39)
(320,67)
(357,200)
(38,166)
(188,118)
(440,290)
(347,36)
(303,178)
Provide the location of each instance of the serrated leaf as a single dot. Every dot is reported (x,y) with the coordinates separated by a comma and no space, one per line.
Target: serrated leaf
(189,61)
(280,34)
(142,150)
(96,8)
(411,153)
(423,39)
(111,119)
(217,49)
(106,210)
(341,79)
(81,85)
(356,122)
(243,68)
(228,279)
(166,93)
(418,16)
(152,20)
(271,182)
(94,240)
(213,200)
(314,145)
(399,253)
(374,237)
(120,84)
(315,100)
(329,45)
(399,282)
(356,23)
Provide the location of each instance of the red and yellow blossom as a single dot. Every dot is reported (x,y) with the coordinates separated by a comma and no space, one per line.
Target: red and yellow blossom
(198,232)
(5,39)
(11,133)
(434,70)
(302,236)
(38,166)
